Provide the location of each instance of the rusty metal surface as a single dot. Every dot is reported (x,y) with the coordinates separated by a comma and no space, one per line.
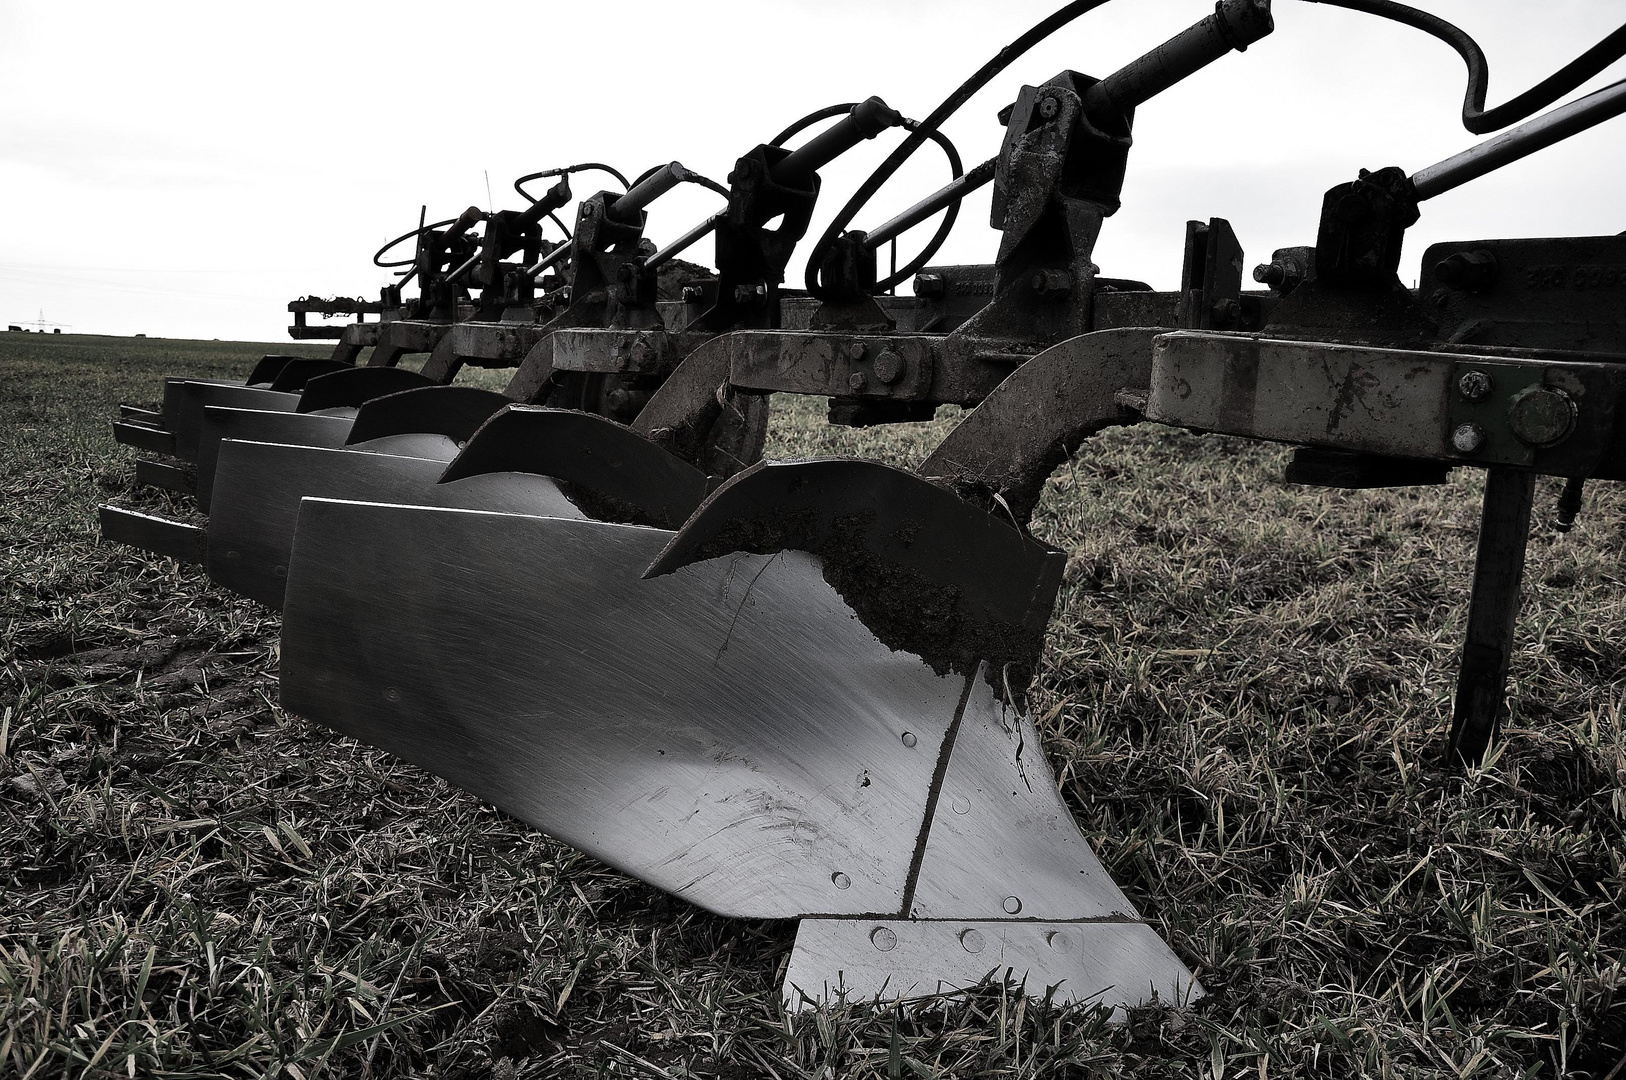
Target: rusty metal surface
(1551,293)
(1116,964)
(925,571)
(1395,402)
(1009,445)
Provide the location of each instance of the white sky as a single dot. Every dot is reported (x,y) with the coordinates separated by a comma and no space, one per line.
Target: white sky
(184,169)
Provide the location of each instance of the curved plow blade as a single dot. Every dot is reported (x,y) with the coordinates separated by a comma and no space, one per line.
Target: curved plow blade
(728,732)
(185,400)
(613,473)
(258,487)
(254,425)
(926,571)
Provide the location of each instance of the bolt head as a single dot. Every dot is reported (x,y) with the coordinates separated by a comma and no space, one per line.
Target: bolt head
(1541,415)
(889,367)
(1226,312)
(1475,385)
(1468,439)
(693,294)
(856,351)
(857,381)
(1049,106)
(930,285)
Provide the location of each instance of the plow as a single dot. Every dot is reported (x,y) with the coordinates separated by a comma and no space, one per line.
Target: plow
(795,689)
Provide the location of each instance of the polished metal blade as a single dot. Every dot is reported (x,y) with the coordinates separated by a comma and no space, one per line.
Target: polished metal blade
(729,732)
(1116,964)
(258,425)
(258,486)
(185,400)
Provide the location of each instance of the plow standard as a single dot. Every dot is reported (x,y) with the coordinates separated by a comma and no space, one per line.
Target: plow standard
(794,689)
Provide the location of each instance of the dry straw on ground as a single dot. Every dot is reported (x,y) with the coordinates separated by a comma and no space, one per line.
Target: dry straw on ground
(1243,697)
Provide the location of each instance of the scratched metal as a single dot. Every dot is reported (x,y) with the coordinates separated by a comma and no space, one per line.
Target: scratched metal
(1116,964)
(185,400)
(1374,400)
(729,733)
(257,425)
(258,487)
(1001,840)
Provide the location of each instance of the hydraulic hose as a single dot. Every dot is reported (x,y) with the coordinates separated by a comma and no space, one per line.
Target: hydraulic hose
(1475,117)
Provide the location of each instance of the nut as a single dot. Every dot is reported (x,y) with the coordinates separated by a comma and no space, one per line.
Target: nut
(1541,415)
(930,286)
(1226,312)
(1049,106)
(1475,385)
(1052,284)
(889,367)
(856,351)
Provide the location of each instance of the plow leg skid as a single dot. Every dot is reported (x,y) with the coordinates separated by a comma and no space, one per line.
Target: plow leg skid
(157,535)
(728,732)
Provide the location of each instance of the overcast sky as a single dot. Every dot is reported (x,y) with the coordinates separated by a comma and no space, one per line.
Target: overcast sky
(185,169)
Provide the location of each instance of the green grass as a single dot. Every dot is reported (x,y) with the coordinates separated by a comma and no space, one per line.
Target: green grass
(1244,698)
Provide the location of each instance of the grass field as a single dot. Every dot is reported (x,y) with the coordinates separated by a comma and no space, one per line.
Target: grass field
(1243,696)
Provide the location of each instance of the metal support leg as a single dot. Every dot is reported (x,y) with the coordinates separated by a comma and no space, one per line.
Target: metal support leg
(1493,612)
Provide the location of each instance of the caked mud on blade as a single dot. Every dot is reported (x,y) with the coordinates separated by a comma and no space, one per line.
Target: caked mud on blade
(729,732)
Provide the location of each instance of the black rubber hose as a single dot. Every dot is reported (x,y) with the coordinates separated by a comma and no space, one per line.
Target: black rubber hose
(917,138)
(568,170)
(1475,117)
(956,168)
(940,237)
(379,254)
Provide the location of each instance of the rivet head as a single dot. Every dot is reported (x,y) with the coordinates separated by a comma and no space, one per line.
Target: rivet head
(883,938)
(961,804)
(973,941)
(1475,385)
(1468,438)
(1541,415)
(840,880)
(1013,905)
(910,740)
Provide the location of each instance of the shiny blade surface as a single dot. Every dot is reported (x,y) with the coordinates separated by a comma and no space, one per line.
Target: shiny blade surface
(258,487)
(185,400)
(258,425)
(1116,964)
(729,733)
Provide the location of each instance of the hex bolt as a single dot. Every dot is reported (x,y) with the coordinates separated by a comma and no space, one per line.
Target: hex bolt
(1271,274)
(883,938)
(1226,312)
(618,399)
(856,351)
(889,367)
(749,294)
(857,382)
(1541,415)
(1468,438)
(642,353)
(1475,385)
(693,294)
(930,286)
